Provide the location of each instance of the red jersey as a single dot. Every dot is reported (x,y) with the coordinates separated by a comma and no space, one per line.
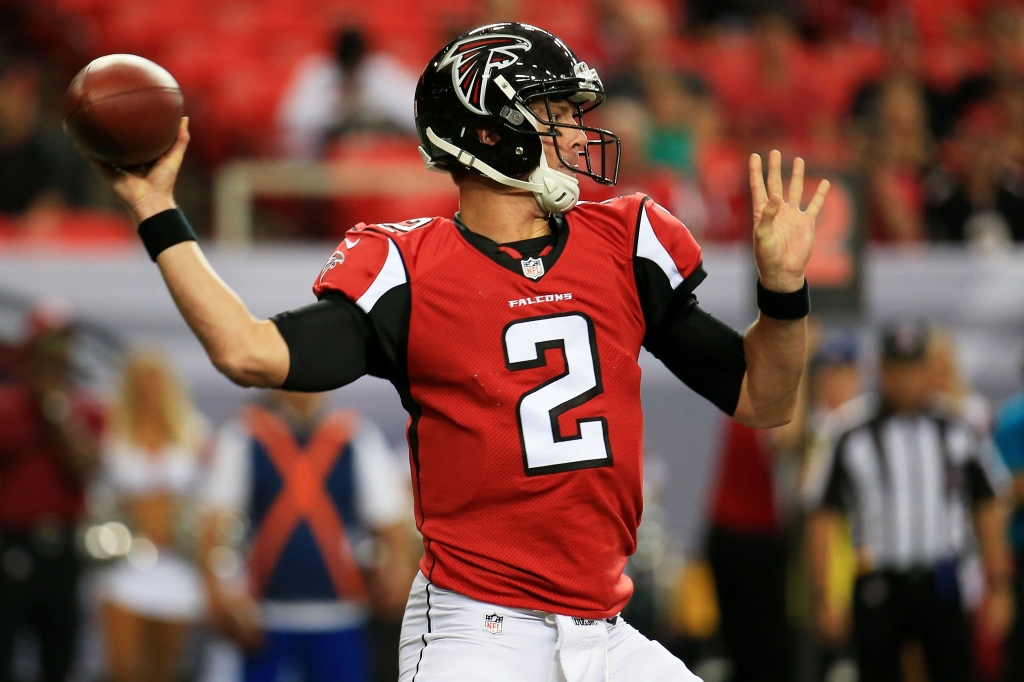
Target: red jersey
(521,379)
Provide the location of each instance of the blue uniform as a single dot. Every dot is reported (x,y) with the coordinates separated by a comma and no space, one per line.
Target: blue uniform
(310,497)
(1009,438)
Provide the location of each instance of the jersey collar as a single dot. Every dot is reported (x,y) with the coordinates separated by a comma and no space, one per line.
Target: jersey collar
(527,248)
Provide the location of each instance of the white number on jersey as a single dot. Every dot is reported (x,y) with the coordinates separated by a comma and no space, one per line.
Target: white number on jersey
(405,225)
(545,449)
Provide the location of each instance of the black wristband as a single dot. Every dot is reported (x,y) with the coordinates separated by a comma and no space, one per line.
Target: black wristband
(784,306)
(164,230)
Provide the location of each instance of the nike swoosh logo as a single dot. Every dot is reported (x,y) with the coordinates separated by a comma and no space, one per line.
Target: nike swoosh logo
(351,244)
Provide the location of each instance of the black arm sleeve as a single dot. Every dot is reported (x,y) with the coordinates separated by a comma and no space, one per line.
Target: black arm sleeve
(705,353)
(328,344)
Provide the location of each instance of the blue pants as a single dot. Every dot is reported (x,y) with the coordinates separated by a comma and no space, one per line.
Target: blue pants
(330,656)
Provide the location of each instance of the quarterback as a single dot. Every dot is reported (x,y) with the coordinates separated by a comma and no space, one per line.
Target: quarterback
(512,332)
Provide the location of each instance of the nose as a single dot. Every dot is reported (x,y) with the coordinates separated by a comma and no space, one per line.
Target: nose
(572,142)
(577,140)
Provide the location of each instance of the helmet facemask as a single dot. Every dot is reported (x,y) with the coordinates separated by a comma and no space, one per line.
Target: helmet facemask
(600,153)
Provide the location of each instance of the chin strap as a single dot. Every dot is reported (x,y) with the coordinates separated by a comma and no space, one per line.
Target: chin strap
(561,191)
(555,192)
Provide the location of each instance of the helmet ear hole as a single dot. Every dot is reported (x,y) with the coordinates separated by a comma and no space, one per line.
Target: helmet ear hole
(488,135)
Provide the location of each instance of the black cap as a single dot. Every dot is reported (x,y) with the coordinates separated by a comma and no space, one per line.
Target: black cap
(905,340)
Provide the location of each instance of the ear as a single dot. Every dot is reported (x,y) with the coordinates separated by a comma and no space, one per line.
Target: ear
(489,136)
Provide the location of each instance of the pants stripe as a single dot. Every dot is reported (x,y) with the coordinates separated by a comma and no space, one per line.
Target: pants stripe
(424,636)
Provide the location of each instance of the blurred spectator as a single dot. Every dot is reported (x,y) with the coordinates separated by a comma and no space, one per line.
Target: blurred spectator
(702,13)
(151,466)
(49,433)
(772,95)
(981,201)
(952,392)
(898,151)
(637,172)
(672,143)
(1003,44)
(327,508)
(834,374)
(835,397)
(910,478)
(903,62)
(746,548)
(677,125)
(1010,440)
(896,118)
(840,19)
(1009,437)
(643,40)
(356,91)
(38,168)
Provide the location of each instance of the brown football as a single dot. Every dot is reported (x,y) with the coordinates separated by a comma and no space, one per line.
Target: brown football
(123,109)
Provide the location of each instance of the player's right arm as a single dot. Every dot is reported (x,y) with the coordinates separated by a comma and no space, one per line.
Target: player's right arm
(282,352)
(249,351)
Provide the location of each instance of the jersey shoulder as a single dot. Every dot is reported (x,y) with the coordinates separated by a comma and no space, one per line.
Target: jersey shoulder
(655,239)
(373,259)
(644,225)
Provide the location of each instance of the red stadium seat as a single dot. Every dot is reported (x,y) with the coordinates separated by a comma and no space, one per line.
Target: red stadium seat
(69,229)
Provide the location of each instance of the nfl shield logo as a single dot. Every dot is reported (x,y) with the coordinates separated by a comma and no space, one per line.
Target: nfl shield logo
(492,624)
(533,267)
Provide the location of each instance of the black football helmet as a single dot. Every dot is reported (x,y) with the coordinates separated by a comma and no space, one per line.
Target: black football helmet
(489,76)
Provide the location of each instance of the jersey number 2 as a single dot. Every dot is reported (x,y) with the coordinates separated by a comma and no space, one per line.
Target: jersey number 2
(545,449)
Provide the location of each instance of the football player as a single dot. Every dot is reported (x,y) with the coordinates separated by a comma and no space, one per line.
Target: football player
(512,332)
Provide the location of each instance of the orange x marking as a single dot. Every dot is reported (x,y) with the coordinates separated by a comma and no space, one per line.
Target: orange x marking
(304,497)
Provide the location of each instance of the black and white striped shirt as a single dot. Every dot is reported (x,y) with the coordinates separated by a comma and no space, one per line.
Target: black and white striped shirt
(907,483)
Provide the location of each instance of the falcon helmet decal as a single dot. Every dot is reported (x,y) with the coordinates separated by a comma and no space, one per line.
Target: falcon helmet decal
(472,61)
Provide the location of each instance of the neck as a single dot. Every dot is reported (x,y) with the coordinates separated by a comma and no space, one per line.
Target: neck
(502,214)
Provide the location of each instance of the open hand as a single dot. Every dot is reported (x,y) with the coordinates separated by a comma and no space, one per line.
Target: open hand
(147,194)
(783,234)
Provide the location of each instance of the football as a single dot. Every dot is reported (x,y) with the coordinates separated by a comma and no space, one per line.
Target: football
(124,110)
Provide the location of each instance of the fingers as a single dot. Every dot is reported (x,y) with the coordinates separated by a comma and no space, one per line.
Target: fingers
(796,183)
(818,200)
(108,171)
(757,191)
(775,172)
(771,209)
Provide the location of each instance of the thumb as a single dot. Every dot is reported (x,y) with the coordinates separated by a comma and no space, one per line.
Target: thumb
(172,157)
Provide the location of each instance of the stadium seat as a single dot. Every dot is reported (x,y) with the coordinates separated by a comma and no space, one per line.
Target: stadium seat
(69,229)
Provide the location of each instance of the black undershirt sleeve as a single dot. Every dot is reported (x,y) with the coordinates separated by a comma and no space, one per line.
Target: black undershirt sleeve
(329,344)
(705,353)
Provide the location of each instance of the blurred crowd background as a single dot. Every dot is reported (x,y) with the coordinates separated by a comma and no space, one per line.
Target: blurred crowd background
(124,531)
(920,103)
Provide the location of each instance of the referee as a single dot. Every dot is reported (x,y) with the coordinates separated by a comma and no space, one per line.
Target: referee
(910,479)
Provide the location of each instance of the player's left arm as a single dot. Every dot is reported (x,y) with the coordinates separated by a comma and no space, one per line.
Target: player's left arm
(775,349)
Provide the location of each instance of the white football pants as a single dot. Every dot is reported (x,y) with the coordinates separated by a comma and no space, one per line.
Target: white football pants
(448,637)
